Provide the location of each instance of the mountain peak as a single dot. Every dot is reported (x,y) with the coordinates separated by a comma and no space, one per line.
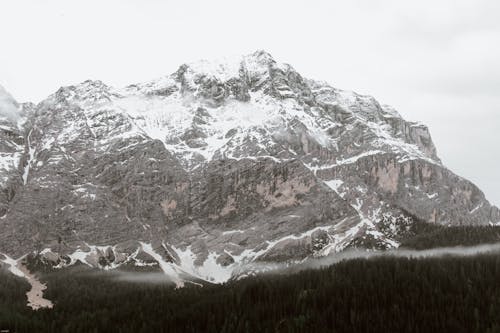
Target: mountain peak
(221,78)
(262,57)
(88,90)
(226,68)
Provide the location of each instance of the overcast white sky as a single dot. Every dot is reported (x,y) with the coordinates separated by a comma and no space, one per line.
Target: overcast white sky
(436,61)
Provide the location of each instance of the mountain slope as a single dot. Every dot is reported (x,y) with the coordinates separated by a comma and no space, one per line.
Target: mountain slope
(11,147)
(219,165)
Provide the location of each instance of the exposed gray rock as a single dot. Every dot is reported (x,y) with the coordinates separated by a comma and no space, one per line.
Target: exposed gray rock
(225,259)
(51,258)
(12,147)
(289,249)
(145,258)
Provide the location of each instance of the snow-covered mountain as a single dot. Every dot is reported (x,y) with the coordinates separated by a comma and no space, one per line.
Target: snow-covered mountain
(220,165)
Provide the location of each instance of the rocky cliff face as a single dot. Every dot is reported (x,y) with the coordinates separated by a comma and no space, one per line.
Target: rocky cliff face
(214,167)
(11,148)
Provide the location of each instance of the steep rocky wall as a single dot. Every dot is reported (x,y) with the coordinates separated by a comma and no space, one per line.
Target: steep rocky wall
(427,190)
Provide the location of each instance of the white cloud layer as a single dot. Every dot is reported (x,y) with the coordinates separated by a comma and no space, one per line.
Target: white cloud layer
(8,106)
(435,61)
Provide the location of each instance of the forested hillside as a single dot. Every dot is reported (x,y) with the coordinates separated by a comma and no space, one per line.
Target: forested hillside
(432,236)
(377,295)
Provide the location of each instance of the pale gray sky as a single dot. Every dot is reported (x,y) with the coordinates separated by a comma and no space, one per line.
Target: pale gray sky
(436,61)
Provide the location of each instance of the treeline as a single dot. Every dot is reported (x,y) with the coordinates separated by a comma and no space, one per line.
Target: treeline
(432,236)
(377,295)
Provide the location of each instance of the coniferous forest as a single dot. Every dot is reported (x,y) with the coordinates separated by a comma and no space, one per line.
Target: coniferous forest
(428,236)
(387,294)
